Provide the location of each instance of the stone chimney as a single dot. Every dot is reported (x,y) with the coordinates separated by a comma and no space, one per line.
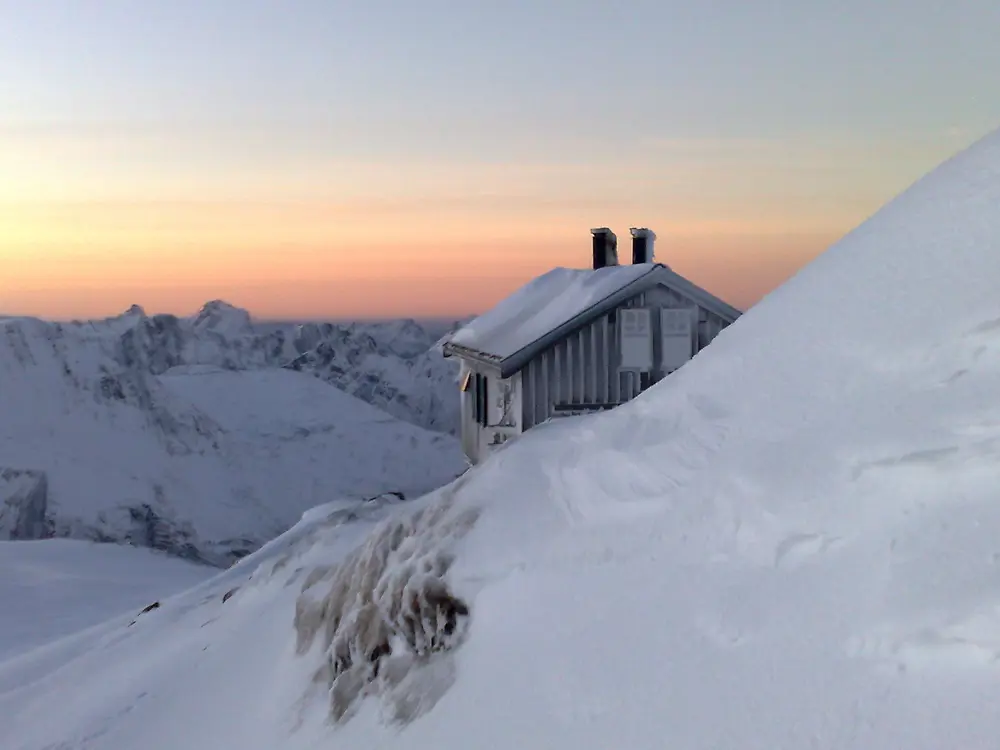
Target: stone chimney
(642,244)
(605,248)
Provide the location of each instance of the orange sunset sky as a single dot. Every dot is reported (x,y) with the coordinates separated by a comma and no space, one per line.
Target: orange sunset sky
(331,163)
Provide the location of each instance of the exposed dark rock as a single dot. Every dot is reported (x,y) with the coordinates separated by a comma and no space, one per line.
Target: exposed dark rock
(150,528)
(145,610)
(111,388)
(24,499)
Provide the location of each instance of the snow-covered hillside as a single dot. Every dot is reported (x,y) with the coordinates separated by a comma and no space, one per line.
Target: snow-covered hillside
(109,432)
(57,587)
(790,543)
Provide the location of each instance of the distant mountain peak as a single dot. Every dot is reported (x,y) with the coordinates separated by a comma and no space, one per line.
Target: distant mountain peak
(222,316)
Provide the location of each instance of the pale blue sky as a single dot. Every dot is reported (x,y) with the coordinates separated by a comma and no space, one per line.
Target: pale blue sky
(461,80)
(165,149)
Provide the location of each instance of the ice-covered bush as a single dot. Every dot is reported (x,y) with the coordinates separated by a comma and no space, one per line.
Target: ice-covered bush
(385,616)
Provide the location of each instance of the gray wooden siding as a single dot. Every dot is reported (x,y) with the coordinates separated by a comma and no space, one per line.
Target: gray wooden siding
(580,369)
(583,367)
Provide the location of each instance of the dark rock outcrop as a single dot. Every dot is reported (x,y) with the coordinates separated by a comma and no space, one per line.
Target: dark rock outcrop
(24,500)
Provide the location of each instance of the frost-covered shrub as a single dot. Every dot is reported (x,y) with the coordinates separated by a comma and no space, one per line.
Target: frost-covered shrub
(386,616)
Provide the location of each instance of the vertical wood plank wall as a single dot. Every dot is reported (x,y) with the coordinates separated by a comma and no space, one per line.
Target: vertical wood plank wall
(583,367)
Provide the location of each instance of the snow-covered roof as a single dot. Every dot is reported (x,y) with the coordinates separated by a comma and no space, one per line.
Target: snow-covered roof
(543,305)
(560,299)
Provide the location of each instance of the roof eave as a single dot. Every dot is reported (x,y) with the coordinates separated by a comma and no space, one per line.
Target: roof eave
(463,352)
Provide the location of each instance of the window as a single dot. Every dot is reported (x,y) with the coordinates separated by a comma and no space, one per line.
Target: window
(480,402)
(486,401)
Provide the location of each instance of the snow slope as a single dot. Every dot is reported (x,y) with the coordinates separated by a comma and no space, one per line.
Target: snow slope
(53,588)
(201,462)
(792,542)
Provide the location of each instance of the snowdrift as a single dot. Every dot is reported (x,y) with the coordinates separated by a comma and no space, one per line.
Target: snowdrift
(791,542)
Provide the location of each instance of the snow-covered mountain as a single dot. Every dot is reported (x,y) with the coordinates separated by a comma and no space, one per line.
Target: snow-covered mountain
(396,365)
(175,434)
(790,543)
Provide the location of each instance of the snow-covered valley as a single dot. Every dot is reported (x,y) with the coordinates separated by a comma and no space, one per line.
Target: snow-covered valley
(55,588)
(790,543)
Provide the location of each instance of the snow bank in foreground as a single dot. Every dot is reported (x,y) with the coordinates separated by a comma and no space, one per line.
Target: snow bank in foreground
(790,543)
(228,646)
